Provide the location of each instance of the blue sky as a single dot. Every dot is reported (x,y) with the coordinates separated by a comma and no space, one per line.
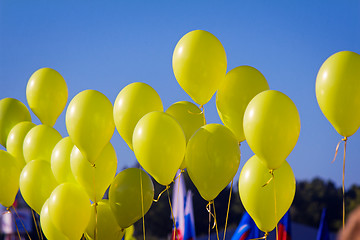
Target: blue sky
(105,45)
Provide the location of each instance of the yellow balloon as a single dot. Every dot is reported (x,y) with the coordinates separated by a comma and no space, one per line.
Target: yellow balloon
(94,179)
(125,196)
(234,94)
(36,183)
(212,159)
(105,224)
(259,200)
(199,64)
(70,209)
(12,111)
(15,141)
(39,143)
(190,118)
(47,94)
(159,145)
(338,91)
(60,161)
(132,103)
(271,127)
(47,226)
(90,123)
(9,179)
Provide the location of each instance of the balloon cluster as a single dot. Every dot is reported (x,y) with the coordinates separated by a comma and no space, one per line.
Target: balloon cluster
(59,176)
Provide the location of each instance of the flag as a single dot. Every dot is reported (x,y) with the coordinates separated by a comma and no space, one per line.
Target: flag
(323,232)
(178,199)
(189,233)
(284,227)
(247,229)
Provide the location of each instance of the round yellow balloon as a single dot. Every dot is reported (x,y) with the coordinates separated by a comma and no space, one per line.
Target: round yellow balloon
(70,209)
(94,179)
(259,200)
(127,202)
(199,64)
(234,94)
(60,161)
(39,143)
(90,123)
(159,145)
(190,118)
(47,226)
(132,103)
(338,91)
(9,179)
(12,111)
(47,94)
(36,183)
(212,159)
(15,141)
(271,127)
(104,223)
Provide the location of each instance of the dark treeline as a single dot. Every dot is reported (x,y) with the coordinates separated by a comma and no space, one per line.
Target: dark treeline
(310,198)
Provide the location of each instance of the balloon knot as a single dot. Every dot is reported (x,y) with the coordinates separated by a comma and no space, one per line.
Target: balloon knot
(93,165)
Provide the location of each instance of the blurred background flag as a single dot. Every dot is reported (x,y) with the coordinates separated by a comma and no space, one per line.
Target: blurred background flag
(323,232)
(189,233)
(284,227)
(247,229)
(178,199)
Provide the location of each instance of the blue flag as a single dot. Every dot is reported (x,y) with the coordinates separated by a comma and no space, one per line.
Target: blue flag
(284,227)
(247,229)
(323,232)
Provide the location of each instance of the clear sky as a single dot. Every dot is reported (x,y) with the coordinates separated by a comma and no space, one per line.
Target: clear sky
(105,45)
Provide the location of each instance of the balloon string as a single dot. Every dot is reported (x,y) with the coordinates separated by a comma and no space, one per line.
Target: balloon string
(95,202)
(158,198)
(228,209)
(343,176)
(264,237)
(142,204)
(208,208)
(209,231)
(216,226)
(343,184)
(202,109)
(178,176)
(17,228)
(172,214)
(20,221)
(36,225)
(271,171)
(275,206)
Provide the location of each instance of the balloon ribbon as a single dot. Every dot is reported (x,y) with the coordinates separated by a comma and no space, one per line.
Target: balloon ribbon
(271,171)
(142,204)
(158,198)
(208,208)
(200,113)
(20,222)
(228,209)
(264,237)
(343,176)
(172,214)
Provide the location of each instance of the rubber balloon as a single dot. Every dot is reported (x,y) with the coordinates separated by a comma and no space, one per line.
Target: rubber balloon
(337,91)
(39,143)
(105,224)
(47,226)
(212,159)
(15,141)
(159,145)
(125,196)
(271,127)
(69,209)
(234,94)
(47,94)
(199,64)
(60,161)
(259,200)
(9,179)
(90,123)
(12,111)
(132,103)
(190,118)
(36,183)
(94,179)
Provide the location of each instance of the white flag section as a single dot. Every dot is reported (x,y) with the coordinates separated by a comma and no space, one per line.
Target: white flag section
(178,200)
(183,212)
